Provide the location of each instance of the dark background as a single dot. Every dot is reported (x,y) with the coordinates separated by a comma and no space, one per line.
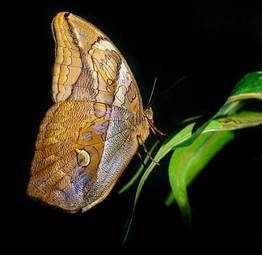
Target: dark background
(213,44)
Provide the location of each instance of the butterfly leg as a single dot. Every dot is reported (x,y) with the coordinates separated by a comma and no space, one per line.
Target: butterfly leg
(140,157)
(156,131)
(140,141)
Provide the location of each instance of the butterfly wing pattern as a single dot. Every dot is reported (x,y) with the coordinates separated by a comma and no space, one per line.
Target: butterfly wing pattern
(90,134)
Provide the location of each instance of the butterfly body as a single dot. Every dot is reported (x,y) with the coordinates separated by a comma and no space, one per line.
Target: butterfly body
(88,137)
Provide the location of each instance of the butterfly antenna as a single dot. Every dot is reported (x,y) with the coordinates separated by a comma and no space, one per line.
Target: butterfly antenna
(173,85)
(152,92)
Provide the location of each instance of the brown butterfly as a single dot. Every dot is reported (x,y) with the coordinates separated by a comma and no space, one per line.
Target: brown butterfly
(90,134)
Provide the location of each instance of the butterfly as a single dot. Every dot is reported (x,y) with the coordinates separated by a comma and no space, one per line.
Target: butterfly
(96,124)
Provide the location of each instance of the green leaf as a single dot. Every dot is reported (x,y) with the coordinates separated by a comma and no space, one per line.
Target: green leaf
(187,162)
(227,118)
(235,121)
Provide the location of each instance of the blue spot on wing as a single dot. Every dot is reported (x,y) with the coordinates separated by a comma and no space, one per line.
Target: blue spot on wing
(81,181)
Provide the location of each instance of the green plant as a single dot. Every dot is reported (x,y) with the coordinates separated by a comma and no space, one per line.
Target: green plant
(193,149)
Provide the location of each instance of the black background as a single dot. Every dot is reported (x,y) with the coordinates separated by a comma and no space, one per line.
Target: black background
(213,44)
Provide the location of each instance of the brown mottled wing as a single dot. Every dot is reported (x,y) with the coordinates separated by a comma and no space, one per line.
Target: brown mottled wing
(97,106)
(57,178)
(89,67)
(55,169)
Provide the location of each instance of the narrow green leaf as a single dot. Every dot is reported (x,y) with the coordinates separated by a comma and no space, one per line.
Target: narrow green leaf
(235,121)
(187,162)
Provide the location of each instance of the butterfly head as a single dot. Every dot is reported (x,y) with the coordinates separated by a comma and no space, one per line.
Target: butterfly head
(149,114)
